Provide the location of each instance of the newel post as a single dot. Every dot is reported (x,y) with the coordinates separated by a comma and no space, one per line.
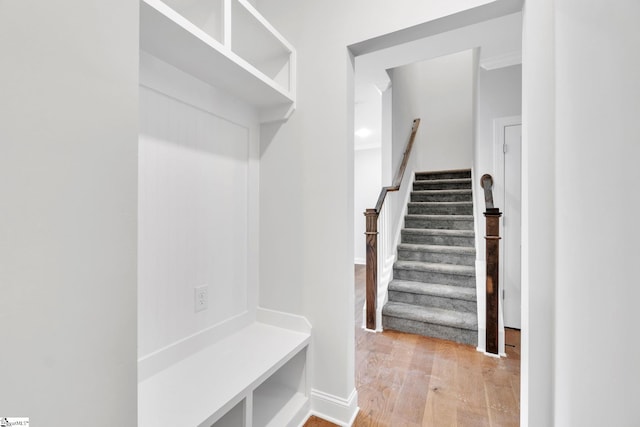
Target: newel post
(492,237)
(372,267)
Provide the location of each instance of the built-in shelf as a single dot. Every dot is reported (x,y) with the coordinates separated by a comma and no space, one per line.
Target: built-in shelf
(255,40)
(227,44)
(282,394)
(208,15)
(258,370)
(235,417)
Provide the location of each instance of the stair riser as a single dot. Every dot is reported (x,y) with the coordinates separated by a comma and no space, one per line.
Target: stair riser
(433,301)
(428,185)
(441,197)
(439,224)
(409,236)
(440,209)
(434,277)
(425,176)
(463,336)
(436,257)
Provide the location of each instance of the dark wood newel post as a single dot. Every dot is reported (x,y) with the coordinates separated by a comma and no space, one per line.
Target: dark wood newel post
(492,237)
(372,267)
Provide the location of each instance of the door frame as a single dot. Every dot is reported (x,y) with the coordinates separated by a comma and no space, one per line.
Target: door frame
(498,168)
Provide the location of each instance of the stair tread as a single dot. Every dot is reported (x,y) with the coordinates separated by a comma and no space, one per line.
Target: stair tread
(440,232)
(446,180)
(442,203)
(440,217)
(443,172)
(432,315)
(452,191)
(464,270)
(434,289)
(434,292)
(470,250)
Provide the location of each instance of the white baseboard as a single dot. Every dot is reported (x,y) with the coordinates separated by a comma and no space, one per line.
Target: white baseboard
(360,261)
(335,409)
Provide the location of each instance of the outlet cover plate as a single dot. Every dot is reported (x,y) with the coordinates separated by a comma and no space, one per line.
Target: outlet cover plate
(201,295)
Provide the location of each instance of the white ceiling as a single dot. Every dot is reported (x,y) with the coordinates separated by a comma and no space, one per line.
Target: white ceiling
(499,41)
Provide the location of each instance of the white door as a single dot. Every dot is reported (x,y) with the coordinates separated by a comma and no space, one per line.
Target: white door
(512,185)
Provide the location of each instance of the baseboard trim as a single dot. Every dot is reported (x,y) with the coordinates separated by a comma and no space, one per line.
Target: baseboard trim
(335,409)
(360,261)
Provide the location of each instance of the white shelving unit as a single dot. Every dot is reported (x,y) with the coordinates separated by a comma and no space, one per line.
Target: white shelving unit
(282,394)
(227,44)
(251,369)
(254,377)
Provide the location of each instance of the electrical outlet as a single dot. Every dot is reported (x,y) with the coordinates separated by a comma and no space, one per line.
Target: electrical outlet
(201,298)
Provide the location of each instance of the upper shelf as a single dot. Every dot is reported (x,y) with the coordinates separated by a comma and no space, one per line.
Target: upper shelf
(227,44)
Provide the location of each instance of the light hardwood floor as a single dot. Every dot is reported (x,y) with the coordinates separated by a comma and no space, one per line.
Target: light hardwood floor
(409,380)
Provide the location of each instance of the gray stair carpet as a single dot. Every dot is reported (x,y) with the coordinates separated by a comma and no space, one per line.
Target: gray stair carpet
(433,291)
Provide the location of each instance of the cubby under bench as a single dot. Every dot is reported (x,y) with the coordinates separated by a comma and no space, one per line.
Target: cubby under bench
(254,377)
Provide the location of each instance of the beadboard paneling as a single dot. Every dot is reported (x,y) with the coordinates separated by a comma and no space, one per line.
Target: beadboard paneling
(193,219)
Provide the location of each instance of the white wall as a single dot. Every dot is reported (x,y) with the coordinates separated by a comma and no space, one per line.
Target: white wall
(367,185)
(307,175)
(538,212)
(499,95)
(367,160)
(597,206)
(194,218)
(68,160)
(439,92)
(580,113)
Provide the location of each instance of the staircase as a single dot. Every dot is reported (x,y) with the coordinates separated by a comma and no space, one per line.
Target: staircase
(433,291)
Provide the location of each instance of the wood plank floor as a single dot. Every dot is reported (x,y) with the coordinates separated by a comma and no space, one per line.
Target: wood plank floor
(409,380)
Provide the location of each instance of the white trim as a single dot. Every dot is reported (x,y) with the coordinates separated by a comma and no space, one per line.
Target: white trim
(501,61)
(284,320)
(335,409)
(360,261)
(498,165)
(155,362)
(481,303)
(387,272)
(370,146)
(495,356)
(498,153)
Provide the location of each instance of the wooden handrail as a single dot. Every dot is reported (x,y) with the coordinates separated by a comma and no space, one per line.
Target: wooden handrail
(395,186)
(372,233)
(487,183)
(492,288)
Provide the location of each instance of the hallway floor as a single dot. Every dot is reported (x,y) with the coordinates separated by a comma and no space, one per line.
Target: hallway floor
(409,380)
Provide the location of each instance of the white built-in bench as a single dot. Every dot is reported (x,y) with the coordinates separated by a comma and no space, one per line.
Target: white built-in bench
(254,377)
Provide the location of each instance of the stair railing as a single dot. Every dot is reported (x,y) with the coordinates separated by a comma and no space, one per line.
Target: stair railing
(492,289)
(377,220)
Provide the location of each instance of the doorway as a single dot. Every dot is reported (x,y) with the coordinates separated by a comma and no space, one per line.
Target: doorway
(508,149)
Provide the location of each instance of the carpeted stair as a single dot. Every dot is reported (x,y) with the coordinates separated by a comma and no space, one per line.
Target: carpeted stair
(433,291)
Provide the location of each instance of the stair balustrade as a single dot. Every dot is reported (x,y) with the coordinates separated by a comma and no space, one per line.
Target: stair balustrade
(492,289)
(378,235)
